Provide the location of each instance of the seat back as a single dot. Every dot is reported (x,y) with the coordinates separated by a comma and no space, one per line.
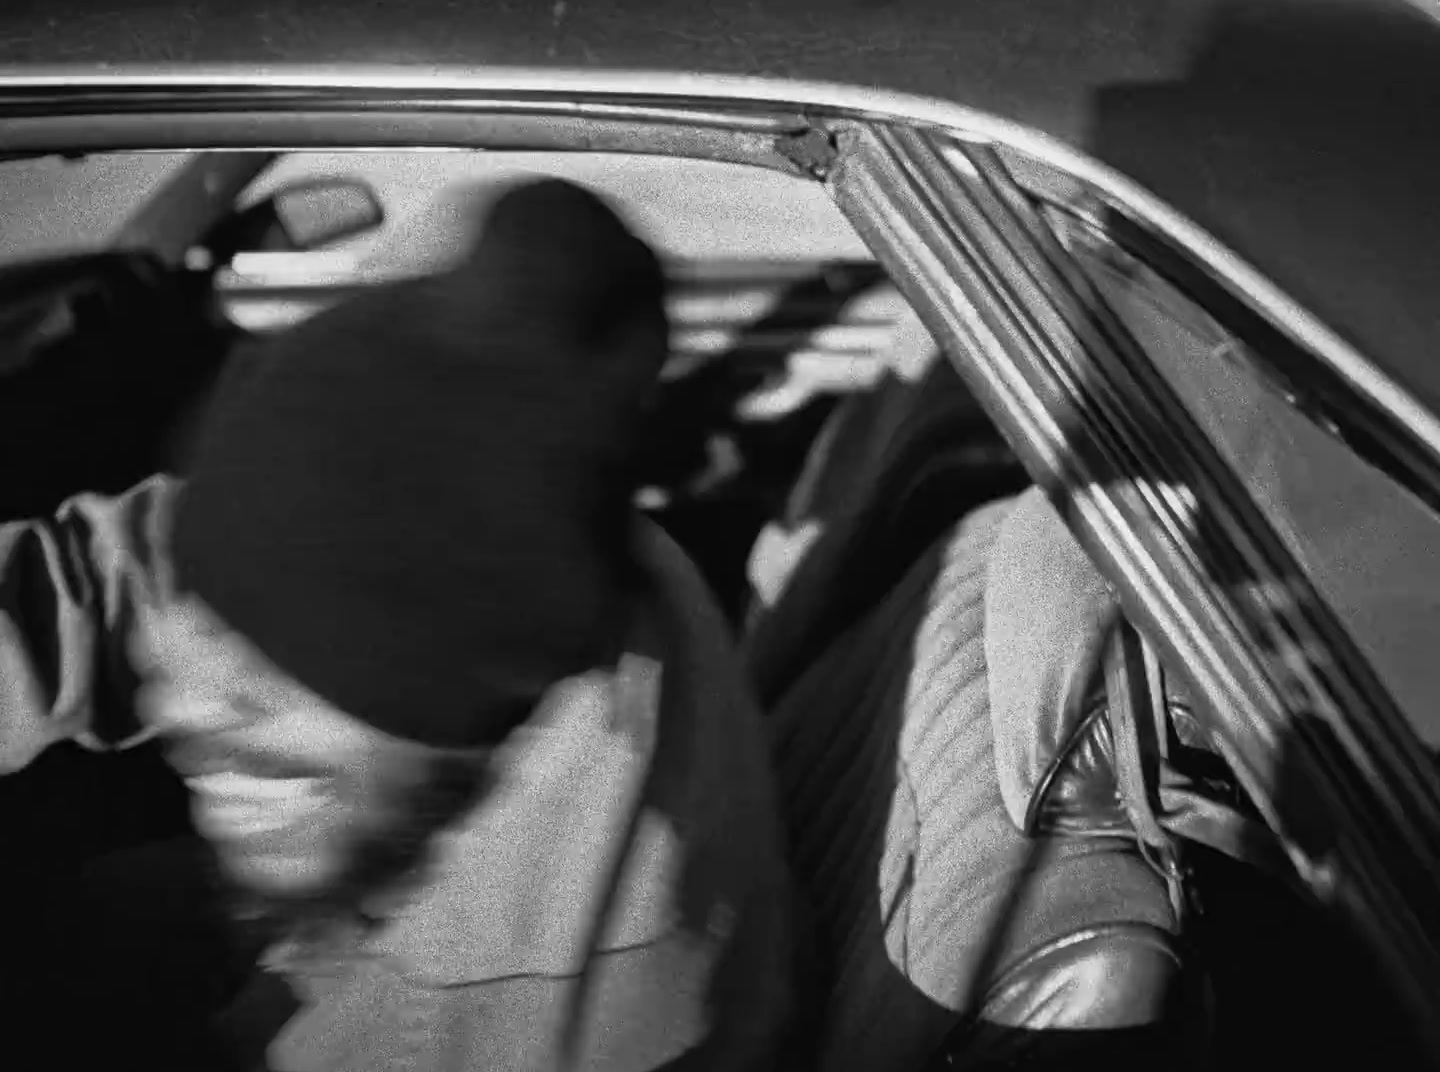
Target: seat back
(933,908)
(1093,734)
(101,357)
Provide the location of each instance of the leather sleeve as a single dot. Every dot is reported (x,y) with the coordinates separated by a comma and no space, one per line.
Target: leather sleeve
(70,589)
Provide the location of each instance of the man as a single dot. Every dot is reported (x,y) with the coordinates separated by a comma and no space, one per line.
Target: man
(462,727)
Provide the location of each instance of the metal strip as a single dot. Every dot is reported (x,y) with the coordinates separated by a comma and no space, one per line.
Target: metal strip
(1279,360)
(94,101)
(387,130)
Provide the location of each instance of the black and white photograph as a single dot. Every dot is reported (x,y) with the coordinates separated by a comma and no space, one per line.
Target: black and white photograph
(719,535)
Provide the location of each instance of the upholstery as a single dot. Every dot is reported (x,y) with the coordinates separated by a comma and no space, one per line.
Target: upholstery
(931,903)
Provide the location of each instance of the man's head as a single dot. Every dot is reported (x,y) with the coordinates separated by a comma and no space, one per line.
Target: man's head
(561,253)
(402,524)
(311,810)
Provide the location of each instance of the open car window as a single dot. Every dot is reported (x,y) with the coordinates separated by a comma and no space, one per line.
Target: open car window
(688,208)
(1370,547)
(738,239)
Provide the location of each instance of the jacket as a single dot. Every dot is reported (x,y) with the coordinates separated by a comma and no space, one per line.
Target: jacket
(638,796)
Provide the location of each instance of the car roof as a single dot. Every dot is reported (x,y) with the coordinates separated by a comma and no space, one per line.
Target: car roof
(1032,62)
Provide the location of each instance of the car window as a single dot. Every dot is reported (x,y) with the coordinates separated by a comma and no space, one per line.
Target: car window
(738,236)
(51,205)
(687,208)
(742,233)
(1370,547)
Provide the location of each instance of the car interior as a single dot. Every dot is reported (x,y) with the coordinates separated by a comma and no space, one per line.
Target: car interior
(910,494)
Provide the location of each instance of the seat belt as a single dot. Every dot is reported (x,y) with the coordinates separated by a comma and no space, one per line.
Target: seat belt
(1139,724)
(1139,715)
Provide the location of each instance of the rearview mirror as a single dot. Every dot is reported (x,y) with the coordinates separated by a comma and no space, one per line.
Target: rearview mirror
(300,217)
(322,212)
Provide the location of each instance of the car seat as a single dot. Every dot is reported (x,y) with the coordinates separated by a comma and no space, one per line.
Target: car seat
(934,910)
(932,907)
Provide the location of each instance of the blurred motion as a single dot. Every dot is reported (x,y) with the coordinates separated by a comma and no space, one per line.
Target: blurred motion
(406,638)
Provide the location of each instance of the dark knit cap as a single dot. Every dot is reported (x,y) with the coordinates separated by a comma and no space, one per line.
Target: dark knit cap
(416,503)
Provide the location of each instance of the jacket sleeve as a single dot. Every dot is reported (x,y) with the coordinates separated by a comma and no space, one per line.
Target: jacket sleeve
(71,590)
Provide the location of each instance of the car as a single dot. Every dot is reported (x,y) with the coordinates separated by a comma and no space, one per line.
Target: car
(1214,370)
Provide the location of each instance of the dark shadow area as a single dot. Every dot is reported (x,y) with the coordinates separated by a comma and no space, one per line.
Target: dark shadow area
(101,358)
(59,796)
(906,463)
(118,948)
(816,737)
(128,959)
